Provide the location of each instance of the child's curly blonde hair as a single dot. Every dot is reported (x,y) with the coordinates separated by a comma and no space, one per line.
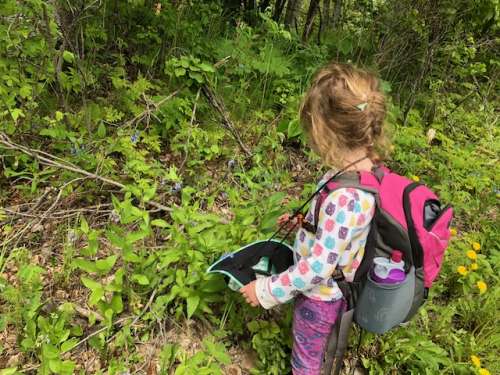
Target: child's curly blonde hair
(343,110)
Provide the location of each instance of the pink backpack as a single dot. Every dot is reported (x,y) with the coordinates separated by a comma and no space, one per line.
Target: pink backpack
(409,218)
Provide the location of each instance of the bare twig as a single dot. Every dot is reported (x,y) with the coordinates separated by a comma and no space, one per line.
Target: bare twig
(150,301)
(34,223)
(148,112)
(99,331)
(219,106)
(86,313)
(12,213)
(191,122)
(50,160)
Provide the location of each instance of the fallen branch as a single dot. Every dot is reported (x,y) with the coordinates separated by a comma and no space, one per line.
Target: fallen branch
(191,122)
(57,215)
(53,161)
(219,106)
(148,112)
(148,304)
(99,331)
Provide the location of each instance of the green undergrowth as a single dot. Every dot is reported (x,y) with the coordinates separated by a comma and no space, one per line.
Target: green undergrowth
(104,263)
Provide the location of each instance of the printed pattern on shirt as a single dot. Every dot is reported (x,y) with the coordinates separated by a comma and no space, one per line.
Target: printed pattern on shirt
(343,225)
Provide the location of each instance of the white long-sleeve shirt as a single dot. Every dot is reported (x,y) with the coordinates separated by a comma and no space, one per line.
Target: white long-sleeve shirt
(343,226)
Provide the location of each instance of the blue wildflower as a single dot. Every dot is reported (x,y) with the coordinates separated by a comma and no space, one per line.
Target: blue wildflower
(177,187)
(135,137)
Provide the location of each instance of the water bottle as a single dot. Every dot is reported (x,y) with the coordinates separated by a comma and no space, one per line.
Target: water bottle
(389,271)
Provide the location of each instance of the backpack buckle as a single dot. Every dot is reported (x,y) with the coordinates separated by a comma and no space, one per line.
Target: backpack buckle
(379,173)
(338,275)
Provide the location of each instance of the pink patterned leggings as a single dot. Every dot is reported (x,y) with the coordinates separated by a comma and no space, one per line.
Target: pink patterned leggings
(312,323)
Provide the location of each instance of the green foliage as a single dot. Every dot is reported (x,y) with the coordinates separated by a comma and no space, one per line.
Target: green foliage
(90,84)
(269,341)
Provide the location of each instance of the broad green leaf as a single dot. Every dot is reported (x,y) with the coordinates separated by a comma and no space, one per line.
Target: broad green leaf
(84,226)
(25,91)
(96,288)
(50,351)
(294,129)
(96,296)
(101,130)
(192,304)
(130,256)
(159,223)
(91,284)
(55,365)
(247,220)
(108,314)
(136,236)
(117,303)
(8,371)
(105,265)
(68,56)
(206,67)
(179,72)
(215,284)
(16,113)
(68,345)
(67,367)
(196,76)
(140,279)
(84,264)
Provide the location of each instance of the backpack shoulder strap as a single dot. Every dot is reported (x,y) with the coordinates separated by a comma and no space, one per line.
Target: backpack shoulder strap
(367,181)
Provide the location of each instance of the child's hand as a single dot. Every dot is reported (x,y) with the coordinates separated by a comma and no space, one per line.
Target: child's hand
(250,294)
(284,218)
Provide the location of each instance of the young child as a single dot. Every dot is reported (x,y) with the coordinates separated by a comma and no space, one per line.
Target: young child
(343,114)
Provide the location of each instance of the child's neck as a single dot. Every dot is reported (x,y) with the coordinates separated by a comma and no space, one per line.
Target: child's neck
(362,165)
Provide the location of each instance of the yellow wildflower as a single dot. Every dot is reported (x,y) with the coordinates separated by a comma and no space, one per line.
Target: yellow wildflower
(462,270)
(483,371)
(453,232)
(471,254)
(474,266)
(415,178)
(476,246)
(481,285)
(475,360)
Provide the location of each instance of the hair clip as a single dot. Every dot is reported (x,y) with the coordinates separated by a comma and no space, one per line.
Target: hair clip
(361,107)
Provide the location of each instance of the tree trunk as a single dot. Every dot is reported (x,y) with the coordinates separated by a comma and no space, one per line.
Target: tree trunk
(250,5)
(326,15)
(321,26)
(292,11)
(231,7)
(311,13)
(324,20)
(337,13)
(278,9)
(264,4)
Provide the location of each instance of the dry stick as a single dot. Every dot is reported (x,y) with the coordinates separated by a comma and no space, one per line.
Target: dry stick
(39,201)
(49,160)
(191,122)
(150,301)
(18,234)
(55,215)
(99,331)
(217,103)
(148,111)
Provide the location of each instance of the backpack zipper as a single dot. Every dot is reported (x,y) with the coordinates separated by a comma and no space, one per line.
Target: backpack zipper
(416,247)
(443,211)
